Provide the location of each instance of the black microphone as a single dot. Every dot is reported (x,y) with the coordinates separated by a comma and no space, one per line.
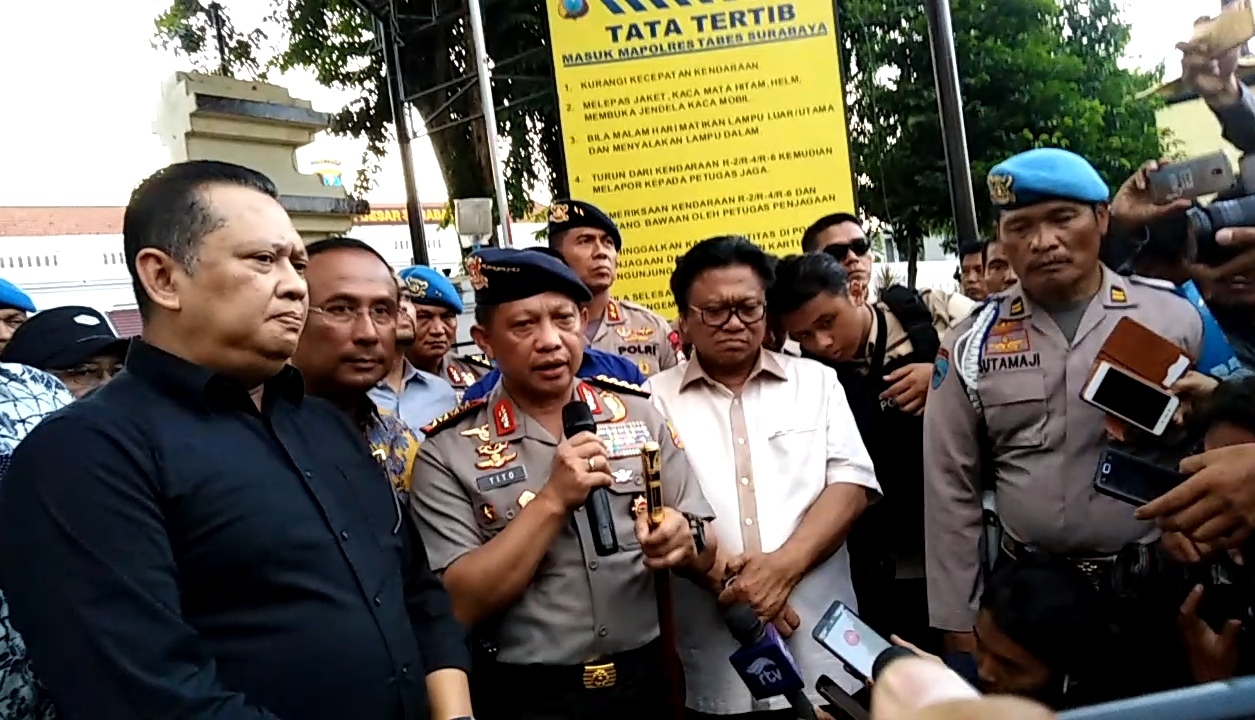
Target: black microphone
(764,662)
(578,418)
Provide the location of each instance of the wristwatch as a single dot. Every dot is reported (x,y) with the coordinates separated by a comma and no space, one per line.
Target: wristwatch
(697,526)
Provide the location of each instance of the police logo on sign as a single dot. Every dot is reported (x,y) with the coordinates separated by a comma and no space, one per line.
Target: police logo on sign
(572,9)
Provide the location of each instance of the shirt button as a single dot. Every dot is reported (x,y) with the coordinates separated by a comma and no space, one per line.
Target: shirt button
(602,631)
(344,534)
(745,481)
(592,565)
(749,521)
(740,441)
(309,474)
(405,669)
(378,602)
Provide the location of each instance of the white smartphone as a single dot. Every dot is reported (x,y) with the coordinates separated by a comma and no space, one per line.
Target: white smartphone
(843,634)
(1130,398)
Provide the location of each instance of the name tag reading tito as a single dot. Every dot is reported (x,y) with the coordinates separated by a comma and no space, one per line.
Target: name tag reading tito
(624,440)
(501,478)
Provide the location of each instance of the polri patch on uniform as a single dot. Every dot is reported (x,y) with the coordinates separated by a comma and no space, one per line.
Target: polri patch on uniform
(625,439)
(941,367)
(502,478)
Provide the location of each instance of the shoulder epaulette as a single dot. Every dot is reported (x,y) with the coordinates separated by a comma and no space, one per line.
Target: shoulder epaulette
(481,360)
(608,383)
(1156,283)
(450,418)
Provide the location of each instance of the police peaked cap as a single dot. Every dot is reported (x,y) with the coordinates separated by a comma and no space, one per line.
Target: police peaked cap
(502,275)
(569,214)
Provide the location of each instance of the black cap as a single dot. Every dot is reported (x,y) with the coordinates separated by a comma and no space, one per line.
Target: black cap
(60,338)
(501,275)
(567,214)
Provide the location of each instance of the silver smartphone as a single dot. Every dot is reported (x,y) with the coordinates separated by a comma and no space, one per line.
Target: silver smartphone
(1193,178)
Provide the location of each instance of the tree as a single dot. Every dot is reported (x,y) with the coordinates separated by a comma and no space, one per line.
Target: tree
(1032,73)
(336,41)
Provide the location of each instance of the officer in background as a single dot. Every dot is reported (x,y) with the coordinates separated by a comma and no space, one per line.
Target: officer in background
(589,241)
(437,305)
(498,494)
(972,269)
(1006,390)
(883,353)
(15,306)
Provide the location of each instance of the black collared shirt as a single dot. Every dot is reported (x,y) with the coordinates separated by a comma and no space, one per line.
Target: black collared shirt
(169,551)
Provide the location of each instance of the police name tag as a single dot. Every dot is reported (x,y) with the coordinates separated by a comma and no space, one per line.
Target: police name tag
(502,478)
(625,439)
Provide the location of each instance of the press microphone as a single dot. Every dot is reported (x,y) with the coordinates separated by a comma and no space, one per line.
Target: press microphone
(578,418)
(764,662)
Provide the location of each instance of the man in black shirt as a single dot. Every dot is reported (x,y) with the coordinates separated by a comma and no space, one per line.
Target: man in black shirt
(199,538)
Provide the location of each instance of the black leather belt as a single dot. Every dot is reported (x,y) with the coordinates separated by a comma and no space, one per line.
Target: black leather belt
(597,675)
(1098,569)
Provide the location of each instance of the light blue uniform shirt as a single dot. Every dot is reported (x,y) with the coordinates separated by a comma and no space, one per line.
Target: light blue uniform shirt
(423,398)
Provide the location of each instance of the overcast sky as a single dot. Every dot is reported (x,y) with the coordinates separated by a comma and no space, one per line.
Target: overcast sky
(81,83)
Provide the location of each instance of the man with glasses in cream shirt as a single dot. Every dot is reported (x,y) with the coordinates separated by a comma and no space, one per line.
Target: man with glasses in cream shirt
(779,458)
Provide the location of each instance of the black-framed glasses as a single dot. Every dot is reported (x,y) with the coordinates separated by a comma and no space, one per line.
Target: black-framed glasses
(747,312)
(858,246)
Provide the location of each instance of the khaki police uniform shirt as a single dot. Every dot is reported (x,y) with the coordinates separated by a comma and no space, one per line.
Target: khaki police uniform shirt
(1044,440)
(463,372)
(637,333)
(946,309)
(477,470)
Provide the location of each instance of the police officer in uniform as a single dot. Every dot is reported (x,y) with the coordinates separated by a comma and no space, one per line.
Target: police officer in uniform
(499,496)
(883,353)
(590,243)
(1006,391)
(437,305)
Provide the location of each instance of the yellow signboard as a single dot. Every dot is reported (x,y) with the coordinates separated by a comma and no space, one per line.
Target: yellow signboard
(686,119)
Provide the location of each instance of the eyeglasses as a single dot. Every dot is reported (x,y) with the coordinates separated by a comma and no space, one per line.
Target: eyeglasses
(92,371)
(345,314)
(858,246)
(748,313)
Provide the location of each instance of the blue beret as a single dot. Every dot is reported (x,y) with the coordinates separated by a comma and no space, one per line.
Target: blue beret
(11,296)
(567,214)
(502,275)
(428,286)
(1045,174)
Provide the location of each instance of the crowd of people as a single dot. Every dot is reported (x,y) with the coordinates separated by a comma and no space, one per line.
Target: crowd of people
(294,496)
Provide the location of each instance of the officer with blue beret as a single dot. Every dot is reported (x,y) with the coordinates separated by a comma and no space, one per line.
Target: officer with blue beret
(1005,408)
(437,303)
(498,493)
(589,242)
(15,306)
(596,362)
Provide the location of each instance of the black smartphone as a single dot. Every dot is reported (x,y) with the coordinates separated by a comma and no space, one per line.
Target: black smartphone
(1133,480)
(838,698)
(843,634)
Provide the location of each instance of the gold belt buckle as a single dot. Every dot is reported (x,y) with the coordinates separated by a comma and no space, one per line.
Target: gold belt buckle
(597,677)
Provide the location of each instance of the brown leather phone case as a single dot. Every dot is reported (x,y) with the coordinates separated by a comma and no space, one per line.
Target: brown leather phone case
(1144,353)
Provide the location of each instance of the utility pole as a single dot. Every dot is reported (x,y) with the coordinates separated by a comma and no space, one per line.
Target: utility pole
(220,33)
(950,107)
(401,123)
(484,74)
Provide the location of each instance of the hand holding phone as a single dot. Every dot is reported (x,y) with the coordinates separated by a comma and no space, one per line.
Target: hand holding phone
(851,640)
(1133,480)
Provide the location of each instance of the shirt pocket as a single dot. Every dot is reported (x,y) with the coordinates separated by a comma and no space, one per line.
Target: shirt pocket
(627,497)
(793,441)
(1015,409)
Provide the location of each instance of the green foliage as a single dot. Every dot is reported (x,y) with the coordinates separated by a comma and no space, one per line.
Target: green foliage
(1032,73)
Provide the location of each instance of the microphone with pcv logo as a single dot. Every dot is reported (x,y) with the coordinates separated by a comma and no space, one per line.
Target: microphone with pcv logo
(764,662)
(578,418)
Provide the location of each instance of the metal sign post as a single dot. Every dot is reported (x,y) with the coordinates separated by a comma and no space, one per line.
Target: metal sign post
(950,106)
(490,118)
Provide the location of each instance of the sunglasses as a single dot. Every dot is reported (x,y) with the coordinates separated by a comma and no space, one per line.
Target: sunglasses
(858,246)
